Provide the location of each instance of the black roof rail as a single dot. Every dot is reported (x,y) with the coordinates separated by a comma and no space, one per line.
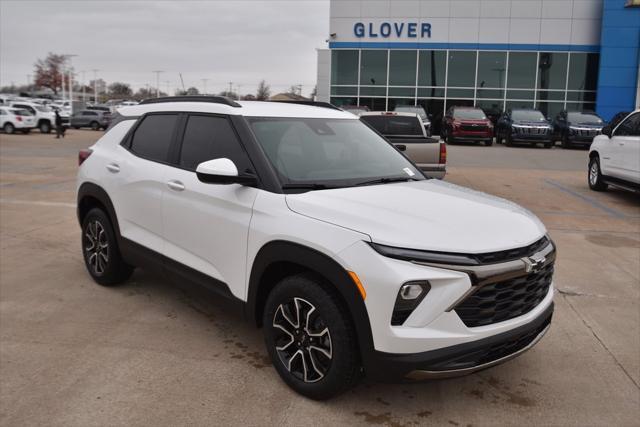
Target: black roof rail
(311,103)
(193,98)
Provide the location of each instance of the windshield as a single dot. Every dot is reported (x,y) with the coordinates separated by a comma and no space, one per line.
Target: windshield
(584,118)
(469,114)
(395,125)
(329,152)
(528,116)
(416,110)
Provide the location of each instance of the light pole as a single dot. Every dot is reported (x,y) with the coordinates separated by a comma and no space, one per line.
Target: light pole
(158,82)
(68,56)
(204,85)
(95,85)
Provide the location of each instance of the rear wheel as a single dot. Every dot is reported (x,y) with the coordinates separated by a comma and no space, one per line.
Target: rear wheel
(596,182)
(100,249)
(95,126)
(44,127)
(310,338)
(9,128)
(26,131)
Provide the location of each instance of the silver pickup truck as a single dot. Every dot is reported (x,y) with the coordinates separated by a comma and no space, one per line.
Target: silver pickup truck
(405,131)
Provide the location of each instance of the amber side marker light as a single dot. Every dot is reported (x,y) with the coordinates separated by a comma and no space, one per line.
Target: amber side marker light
(358,283)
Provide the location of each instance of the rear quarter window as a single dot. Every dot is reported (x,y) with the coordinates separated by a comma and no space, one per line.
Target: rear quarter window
(152,138)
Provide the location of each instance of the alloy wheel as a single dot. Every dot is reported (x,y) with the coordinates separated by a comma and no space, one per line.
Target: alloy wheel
(96,247)
(302,340)
(593,173)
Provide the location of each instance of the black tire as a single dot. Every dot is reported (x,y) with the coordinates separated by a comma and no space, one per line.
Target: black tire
(327,376)
(98,239)
(95,126)
(509,140)
(548,144)
(489,143)
(9,128)
(26,131)
(594,175)
(76,127)
(44,127)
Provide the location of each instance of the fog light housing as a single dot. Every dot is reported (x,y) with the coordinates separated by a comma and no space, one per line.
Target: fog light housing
(409,297)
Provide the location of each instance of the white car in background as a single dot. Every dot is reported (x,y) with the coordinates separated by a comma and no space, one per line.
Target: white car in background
(12,119)
(45,118)
(614,156)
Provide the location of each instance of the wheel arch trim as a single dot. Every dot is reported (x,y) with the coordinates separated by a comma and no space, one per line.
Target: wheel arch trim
(321,264)
(91,190)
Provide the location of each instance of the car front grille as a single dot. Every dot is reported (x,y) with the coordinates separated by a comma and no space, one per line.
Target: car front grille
(510,254)
(473,128)
(532,130)
(590,133)
(504,300)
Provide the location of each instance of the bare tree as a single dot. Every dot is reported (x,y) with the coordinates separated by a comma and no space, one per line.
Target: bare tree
(264,91)
(118,89)
(230,95)
(48,72)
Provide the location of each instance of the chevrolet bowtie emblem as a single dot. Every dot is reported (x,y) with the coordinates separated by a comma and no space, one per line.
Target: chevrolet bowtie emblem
(534,263)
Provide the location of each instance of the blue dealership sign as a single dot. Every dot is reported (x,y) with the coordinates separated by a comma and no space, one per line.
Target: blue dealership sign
(410,30)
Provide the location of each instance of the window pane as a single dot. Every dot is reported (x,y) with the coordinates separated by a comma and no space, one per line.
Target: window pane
(338,102)
(344,90)
(519,104)
(583,71)
(490,93)
(491,108)
(373,91)
(374,104)
(459,93)
(549,95)
(402,91)
(373,67)
(522,70)
(208,138)
(462,68)
(402,67)
(629,127)
(344,67)
(153,137)
(581,106)
(432,67)
(397,102)
(431,92)
(520,94)
(492,67)
(552,70)
(550,109)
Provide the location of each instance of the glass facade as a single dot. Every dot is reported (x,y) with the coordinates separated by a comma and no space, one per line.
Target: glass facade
(437,79)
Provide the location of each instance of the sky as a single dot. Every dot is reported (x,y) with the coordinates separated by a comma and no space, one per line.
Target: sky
(238,41)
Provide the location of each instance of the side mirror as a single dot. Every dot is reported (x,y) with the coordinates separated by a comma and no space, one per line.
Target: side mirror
(223,171)
(607,130)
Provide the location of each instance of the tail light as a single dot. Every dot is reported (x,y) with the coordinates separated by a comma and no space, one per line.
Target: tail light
(84,155)
(18,118)
(443,154)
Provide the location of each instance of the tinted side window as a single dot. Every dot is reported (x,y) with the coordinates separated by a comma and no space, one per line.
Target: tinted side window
(630,127)
(208,138)
(153,137)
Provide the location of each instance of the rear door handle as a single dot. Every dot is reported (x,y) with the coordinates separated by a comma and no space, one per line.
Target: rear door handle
(113,168)
(175,185)
(401,147)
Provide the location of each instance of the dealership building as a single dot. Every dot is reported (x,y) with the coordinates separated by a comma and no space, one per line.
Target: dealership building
(495,54)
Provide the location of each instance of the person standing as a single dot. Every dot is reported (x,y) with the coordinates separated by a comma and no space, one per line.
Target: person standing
(59,128)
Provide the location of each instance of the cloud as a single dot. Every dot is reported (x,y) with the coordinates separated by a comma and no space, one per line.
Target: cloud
(222,41)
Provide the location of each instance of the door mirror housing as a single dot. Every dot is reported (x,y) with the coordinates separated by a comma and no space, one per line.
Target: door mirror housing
(607,130)
(223,171)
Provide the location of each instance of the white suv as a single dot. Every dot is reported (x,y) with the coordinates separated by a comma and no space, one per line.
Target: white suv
(45,118)
(12,119)
(322,233)
(614,156)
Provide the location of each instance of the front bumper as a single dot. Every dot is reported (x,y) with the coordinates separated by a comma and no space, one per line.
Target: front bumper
(462,359)
(519,137)
(471,136)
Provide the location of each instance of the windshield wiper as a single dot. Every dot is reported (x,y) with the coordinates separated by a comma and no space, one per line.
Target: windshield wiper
(307,186)
(386,180)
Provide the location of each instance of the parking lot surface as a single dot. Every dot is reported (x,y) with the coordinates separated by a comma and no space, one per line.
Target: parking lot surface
(153,353)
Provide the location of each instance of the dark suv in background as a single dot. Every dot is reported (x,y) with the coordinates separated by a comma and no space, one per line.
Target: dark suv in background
(577,127)
(88,118)
(524,125)
(466,124)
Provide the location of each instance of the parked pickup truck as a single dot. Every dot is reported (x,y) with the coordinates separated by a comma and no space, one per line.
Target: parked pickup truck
(405,131)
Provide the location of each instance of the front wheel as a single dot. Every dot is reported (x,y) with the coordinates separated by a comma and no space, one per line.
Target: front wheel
(489,143)
(95,126)
(548,144)
(310,338)
(596,182)
(100,250)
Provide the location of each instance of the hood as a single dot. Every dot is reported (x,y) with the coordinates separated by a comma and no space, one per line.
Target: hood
(473,121)
(588,125)
(531,123)
(428,215)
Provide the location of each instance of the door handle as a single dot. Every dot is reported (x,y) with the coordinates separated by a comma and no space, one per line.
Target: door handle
(401,147)
(175,185)
(113,168)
